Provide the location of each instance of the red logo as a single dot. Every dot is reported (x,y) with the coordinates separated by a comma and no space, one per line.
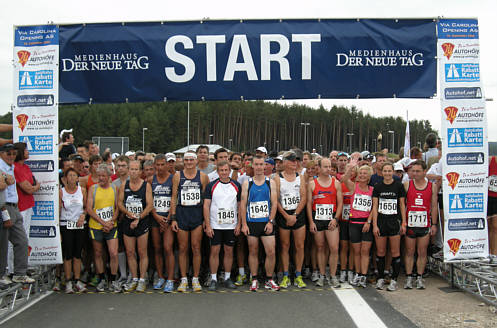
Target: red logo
(23,120)
(451,113)
(23,56)
(453,178)
(454,245)
(29,250)
(448,49)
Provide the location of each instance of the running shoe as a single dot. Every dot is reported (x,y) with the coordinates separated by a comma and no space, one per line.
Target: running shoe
(131,286)
(142,285)
(156,280)
(115,287)
(69,289)
(285,282)
(380,284)
(56,285)
(307,273)
(196,285)
(241,280)
(213,286)
(102,286)
(228,283)
(5,280)
(94,281)
(160,282)
(208,280)
(335,283)
(270,284)
(320,281)
(355,280)
(169,286)
(343,276)
(420,283)
(183,286)
(80,287)
(299,282)
(255,285)
(387,277)
(315,276)
(351,276)
(24,279)
(363,282)
(392,286)
(408,284)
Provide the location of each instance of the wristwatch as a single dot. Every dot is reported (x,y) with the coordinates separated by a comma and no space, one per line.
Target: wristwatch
(271,221)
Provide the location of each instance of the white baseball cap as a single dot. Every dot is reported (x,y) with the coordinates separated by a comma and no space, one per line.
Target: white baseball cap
(170,157)
(129,153)
(398,167)
(64,131)
(262,149)
(115,155)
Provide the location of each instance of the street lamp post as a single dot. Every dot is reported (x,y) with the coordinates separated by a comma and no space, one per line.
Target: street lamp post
(231,141)
(393,140)
(321,150)
(277,146)
(350,134)
(143,138)
(211,136)
(305,124)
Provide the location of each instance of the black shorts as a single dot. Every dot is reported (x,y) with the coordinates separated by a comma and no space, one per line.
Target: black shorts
(72,242)
(256,229)
(141,229)
(417,232)
(389,228)
(321,225)
(344,230)
(492,206)
(356,235)
(225,237)
(189,218)
(281,222)
(440,201)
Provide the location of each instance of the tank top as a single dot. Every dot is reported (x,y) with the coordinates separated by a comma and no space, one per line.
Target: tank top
(135,201)
(162,195)
(189,191)
(361,204)
(492,177)
(72,207)
(419,206)
(259,201)
(289,193)
(324,200)
(347,200)
(104,201)
(90,182)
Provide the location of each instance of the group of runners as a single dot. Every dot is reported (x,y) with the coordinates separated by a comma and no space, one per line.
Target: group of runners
(297,216)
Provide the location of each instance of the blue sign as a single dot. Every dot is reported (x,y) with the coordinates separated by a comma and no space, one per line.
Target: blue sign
(35,100)
(30,36)
(466,224)
(43,210)
(254,59)
(466,203)
(42,232)
(457,29)
(465,137)
(36,79)
(41,165)
(468,72)
(462,93)
(38,145)
(465,158)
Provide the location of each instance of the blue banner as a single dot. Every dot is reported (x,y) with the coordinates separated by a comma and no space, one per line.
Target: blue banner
(255,59)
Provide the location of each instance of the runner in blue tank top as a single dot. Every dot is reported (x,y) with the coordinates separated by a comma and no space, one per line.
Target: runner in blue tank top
(187,218)
(257,211)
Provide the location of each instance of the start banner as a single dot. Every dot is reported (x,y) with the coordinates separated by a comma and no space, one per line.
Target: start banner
(253,59)
(35,120)
(465,141)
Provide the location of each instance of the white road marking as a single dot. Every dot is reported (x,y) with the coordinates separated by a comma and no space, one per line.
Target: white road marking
(25,307)
(359,310)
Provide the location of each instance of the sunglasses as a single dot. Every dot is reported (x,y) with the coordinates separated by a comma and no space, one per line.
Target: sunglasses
(86,166)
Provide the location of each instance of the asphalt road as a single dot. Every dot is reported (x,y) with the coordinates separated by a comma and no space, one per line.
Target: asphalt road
(312,307)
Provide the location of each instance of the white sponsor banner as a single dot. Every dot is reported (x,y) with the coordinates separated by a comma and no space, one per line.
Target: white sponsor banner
(35,119)
(465,144)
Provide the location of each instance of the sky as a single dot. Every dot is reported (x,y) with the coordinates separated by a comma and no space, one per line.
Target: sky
(24,12)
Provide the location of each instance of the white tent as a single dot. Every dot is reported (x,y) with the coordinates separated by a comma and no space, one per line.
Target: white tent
(212,149)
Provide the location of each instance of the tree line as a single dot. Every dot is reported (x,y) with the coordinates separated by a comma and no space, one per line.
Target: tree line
(238,125)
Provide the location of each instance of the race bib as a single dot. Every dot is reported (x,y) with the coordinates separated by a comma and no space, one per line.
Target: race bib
(492,183)
(346,212)
(162,204)
(134,206)
(324,212)
(362,203)
(290,202)
(190,197)
(259,210)
(418,219)
(72,225)
(387,206)
(105,213)
(226,216)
